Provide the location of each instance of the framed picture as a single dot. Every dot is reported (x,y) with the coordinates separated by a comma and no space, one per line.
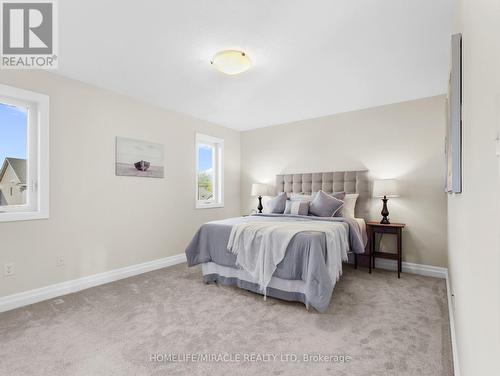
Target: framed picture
(453,141)
(139,158)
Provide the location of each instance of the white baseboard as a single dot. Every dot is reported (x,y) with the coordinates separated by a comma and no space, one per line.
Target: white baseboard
(409,267)
(454,348)
(37,295)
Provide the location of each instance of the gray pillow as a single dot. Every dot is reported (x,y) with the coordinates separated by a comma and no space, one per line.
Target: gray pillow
(297,207)
(277,204)
(339,196)
(324,205)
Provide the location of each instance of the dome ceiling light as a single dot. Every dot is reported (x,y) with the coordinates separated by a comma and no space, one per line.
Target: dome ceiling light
(231,62)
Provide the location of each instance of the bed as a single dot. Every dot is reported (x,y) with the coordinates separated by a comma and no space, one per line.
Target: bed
(304,273)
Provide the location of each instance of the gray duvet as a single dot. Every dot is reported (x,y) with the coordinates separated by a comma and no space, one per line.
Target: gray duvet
(305,257)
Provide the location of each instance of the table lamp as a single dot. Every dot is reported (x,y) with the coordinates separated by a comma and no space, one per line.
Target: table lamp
(385,188)
(259,190)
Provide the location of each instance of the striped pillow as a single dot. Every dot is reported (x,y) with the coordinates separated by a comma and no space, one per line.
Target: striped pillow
(297,207)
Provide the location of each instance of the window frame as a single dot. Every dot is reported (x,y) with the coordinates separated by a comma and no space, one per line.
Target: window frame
(218,167)
(37,179)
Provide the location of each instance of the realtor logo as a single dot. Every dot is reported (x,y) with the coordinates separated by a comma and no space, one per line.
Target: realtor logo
(28,34)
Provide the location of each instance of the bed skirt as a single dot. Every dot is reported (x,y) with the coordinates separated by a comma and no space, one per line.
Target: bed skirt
(290,290)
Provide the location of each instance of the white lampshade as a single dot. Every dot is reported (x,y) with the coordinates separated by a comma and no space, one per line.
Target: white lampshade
(259,189)
(231,62)
(385,187)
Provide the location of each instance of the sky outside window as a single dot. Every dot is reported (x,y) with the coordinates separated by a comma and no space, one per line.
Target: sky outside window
(205,157)
(205,172)
(13,132)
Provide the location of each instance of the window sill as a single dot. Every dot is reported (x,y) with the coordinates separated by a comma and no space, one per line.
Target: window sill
(22,216)
(210,206)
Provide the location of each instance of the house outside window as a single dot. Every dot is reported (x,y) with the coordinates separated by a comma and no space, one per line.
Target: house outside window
(209,171)
(24,162)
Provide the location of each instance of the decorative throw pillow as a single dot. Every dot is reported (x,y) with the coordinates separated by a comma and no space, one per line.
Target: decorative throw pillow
(297,207)
(302,196)
(349,205)
(339,195)
(324,205)
(277,204)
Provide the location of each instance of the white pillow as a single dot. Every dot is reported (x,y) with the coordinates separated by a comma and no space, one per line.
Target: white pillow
(349,205)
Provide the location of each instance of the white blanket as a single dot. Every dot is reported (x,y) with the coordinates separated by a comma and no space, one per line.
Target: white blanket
(260,246)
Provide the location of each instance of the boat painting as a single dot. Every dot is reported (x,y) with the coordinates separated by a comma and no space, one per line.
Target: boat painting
(139,158)
(142,165)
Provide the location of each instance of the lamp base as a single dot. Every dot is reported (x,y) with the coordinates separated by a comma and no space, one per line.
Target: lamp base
(260,207)
(385,212)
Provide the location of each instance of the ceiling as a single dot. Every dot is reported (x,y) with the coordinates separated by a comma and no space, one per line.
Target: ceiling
(311,58)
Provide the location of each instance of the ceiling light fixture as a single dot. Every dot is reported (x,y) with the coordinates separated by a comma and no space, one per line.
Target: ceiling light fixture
(231,62)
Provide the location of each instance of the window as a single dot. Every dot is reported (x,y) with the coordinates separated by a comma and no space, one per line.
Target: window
(209,171)
(23,155)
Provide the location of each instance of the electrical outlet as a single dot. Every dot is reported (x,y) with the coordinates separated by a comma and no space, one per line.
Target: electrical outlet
(60,261)
(8,269)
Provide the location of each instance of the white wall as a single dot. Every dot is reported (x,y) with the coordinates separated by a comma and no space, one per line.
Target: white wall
(403,141)
(99,221)
(474,215)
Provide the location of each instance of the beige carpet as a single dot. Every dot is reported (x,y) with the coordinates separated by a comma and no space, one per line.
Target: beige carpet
(385,325)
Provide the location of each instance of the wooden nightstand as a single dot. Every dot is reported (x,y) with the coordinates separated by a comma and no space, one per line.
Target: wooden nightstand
(373,228)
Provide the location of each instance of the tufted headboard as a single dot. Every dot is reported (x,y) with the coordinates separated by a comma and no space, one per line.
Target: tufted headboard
(329,182)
